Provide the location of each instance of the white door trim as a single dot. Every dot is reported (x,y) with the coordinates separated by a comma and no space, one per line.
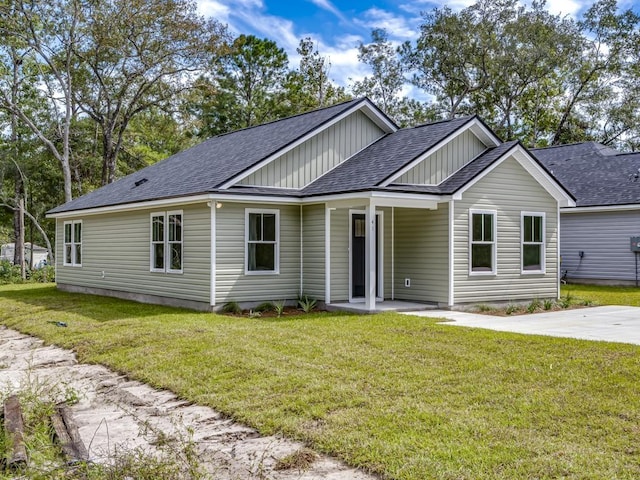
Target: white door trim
(380,251)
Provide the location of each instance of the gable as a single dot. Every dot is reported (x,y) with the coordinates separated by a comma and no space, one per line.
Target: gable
(317,155)
(445,161)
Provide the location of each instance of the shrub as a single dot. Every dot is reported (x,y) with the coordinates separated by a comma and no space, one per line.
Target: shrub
(533,306)
(231,307)
(548,304)
(44,274)
(307,303)
(265,307)
(9,273)
(278,307)
(511,309)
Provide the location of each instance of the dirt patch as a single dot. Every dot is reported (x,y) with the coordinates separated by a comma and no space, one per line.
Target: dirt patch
(112,413)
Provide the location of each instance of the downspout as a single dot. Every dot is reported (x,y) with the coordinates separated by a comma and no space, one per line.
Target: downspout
(451,300)
(301,255)
(213,205)
(558,259)
(393,253)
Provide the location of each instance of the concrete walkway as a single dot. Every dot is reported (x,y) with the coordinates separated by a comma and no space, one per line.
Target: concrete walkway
(610,323)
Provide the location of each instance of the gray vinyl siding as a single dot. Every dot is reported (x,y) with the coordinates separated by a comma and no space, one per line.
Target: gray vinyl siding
(313,251)
(604,237)
(318,155)
(445,161)
(387,251)
(118,244)
(509,190)
(232,284)
(422,253)
(339,230)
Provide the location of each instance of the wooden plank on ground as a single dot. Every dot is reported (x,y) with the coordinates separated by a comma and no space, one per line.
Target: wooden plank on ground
(14,426)
(68,435)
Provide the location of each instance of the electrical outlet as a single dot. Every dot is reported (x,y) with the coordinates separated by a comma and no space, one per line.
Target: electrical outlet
(407,282)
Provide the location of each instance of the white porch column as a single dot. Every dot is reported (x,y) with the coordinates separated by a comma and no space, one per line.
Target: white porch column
(370,260)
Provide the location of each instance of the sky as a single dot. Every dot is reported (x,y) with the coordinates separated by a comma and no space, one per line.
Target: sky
(338,26)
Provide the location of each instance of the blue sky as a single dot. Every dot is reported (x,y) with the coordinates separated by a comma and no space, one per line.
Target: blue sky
(337,26)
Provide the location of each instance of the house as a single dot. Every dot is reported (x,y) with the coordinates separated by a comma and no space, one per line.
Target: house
(337,203)
(40,254)
(595,241)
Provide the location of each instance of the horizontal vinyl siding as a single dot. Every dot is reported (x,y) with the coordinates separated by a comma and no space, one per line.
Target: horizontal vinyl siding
(386,256)
(314,251)
(231,282)
(604,237)
(339,254)
(319,154)
(119,246)
(421,254)
(509,190)
(442,163)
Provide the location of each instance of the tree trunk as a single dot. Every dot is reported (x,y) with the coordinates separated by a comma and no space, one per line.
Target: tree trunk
(20,241)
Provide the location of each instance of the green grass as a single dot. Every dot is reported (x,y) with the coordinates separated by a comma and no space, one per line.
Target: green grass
(604,295)
(405,397)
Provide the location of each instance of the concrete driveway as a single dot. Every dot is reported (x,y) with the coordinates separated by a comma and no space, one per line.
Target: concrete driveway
(610,323)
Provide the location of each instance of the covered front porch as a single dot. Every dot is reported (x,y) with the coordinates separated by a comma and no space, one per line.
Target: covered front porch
(387,252)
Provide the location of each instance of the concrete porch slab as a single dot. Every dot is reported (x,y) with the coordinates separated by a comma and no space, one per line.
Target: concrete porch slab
(381,307)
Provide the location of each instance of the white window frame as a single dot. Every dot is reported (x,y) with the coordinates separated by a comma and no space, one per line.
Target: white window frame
(494,243)
(165,242)
(542,244)
(73,243)
(276,262)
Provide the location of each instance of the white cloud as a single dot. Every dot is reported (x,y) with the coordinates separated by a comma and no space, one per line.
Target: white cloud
(396,26)
(329,7)
(566,7)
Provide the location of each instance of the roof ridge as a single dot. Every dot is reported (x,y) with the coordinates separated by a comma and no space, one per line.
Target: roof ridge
(465,117)
(354,100)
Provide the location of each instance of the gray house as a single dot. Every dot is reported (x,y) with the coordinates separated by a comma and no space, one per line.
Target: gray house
(595,236)
(338,204)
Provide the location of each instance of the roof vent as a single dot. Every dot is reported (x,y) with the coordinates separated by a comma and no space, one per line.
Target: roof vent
(141,181)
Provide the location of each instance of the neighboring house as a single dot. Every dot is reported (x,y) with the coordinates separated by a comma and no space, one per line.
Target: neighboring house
(595,236)
(40,254)
(338,204)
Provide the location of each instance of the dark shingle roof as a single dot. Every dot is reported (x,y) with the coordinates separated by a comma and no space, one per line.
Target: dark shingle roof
(206,166)
(373,165)
(595,174)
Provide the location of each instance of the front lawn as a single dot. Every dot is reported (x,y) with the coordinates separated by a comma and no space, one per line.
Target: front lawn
(405,397)
(604,294)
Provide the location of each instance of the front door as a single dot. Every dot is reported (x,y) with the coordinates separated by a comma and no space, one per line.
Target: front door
(358,259)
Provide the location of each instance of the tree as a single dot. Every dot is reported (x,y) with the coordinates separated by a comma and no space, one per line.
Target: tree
(137,55)
(309,86)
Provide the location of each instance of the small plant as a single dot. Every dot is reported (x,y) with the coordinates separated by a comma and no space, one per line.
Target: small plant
(534,306)
(307,304)
(548,304)
(299,460)
(483,308)
(511,309)
(588,303)
(254,314)
(278,307)
(566,301)
(265,307)
(232,308)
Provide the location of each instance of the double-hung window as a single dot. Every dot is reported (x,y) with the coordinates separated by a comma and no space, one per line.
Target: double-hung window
(73,243)
(166,242)
(533,242)
(482,249)
(262,232)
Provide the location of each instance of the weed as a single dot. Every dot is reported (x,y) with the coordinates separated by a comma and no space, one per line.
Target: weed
(231,307)
(265,307)
(534,306)
(548,304)
(511,309)
(278,307)
(566,301)
(299,460)
(307,304)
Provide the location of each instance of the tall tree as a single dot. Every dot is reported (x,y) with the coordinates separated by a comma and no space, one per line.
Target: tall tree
(138,55)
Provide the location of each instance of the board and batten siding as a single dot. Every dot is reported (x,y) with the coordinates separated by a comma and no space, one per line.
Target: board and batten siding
(232,284)
(422,253)
(604,237)
(118,245)
(318,155)
(510,190)
(446,160)
(313,266)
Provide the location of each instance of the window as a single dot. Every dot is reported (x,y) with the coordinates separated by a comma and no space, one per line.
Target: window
(166,242)
(73,243)
(262,232)
(532,242)
(483,242)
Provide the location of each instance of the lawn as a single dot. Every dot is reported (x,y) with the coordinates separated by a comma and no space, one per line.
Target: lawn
(604,295)
(405,397)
